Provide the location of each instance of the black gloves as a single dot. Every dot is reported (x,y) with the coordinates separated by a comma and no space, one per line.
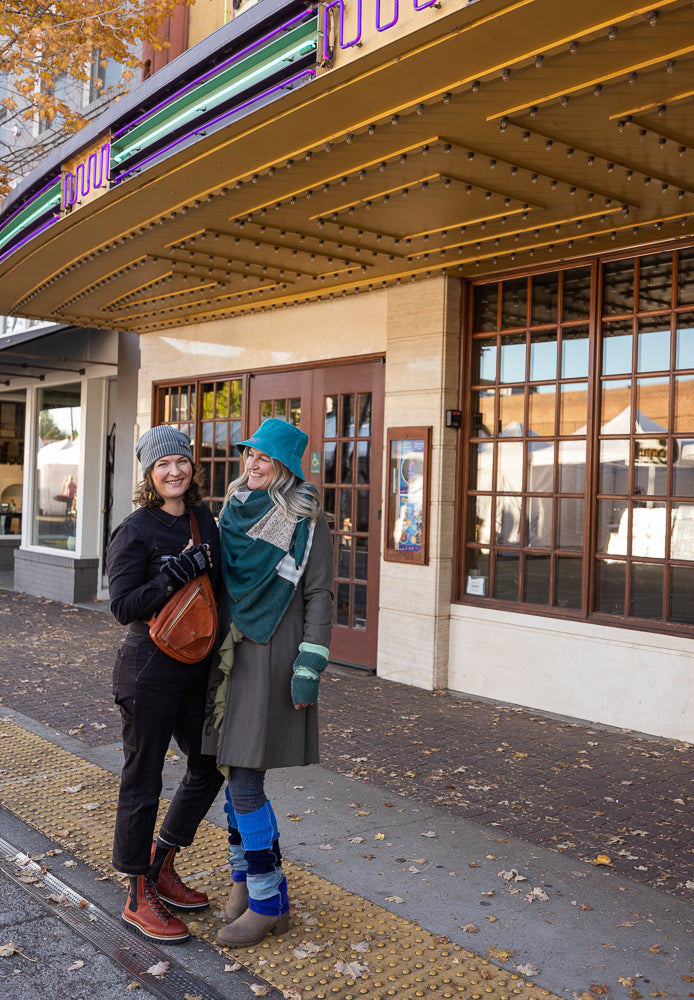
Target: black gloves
(187,565)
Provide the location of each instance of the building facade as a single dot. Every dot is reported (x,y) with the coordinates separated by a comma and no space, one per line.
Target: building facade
(455,243)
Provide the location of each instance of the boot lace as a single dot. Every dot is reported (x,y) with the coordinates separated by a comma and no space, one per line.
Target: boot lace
(155,903)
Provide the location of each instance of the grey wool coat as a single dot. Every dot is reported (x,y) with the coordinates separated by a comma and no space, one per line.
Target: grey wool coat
(261,728)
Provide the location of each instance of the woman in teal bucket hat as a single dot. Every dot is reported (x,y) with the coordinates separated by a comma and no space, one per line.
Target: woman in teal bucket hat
(277,565)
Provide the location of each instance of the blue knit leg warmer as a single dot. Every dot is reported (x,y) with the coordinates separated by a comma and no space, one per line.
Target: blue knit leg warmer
(237,859)
(267,886)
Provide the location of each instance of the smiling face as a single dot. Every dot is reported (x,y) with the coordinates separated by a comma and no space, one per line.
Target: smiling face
(171,477)
(259,468)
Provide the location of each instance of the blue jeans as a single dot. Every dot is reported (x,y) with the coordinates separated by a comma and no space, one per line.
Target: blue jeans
(159,698)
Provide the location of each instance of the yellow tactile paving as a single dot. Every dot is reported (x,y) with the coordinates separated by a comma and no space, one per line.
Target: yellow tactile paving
(339,946)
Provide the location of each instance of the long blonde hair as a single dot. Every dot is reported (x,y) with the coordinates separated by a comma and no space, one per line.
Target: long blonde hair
(294,497)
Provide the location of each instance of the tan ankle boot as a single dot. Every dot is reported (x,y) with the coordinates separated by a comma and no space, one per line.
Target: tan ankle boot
(250,928)
(237,902)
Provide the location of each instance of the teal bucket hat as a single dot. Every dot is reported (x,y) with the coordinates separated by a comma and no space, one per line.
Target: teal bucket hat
(280,440)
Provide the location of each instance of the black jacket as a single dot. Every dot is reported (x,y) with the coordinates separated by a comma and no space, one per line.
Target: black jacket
(137,586)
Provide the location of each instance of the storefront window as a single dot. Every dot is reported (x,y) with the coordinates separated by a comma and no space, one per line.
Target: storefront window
(57,466)
(11,464)
(581,447)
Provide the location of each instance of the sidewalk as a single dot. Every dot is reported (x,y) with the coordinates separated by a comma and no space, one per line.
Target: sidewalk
(482,824)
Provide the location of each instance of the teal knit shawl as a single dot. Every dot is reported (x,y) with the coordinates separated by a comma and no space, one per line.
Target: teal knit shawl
(263,559)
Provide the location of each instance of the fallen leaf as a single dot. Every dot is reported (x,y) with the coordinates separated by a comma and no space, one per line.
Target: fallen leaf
(158,970)
(293,818)
(356,840)
(395,899)
(360,946)
(602,859)
(233,968)
(379,836)
(353,969)
(75,965)
(537,896)
(599,989)
(492,919)
(73,788)
(429,833)
(513,876)
(134,985)
(6,950)
(528,970)
(502,954)
(261,991)
(470,929)
(307,948)
(291,994)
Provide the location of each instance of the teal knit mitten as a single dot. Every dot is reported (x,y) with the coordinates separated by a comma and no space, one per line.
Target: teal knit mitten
(308,666)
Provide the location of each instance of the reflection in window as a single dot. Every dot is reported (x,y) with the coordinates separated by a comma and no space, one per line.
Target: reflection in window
(57,466)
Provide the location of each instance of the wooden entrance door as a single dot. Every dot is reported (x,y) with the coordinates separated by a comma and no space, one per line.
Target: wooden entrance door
(341,409)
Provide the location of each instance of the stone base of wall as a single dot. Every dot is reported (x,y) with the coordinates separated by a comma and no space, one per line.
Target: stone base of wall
(58,577)
(8,547)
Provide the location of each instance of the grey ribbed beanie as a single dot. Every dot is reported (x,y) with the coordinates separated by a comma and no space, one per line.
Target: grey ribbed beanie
(161,441)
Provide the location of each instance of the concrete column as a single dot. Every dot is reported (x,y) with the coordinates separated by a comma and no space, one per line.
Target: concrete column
(422,372)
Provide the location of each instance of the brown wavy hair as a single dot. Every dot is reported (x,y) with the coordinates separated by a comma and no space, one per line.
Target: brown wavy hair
(145,494)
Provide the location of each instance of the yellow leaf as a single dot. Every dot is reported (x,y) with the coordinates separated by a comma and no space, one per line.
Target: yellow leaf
(379,836)
(602,859)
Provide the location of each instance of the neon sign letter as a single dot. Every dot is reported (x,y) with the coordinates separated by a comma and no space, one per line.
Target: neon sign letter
(86,177)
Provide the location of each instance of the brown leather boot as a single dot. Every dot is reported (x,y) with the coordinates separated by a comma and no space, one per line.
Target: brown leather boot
(147,914)
(237,902)
(171,887)
(250,928)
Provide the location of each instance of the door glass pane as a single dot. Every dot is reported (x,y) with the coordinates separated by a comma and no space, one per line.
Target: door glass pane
(538,522)
(647,590)
(509,474)
(650,467)
(477,571)
(342,604)
(653,347)
(358,606)
(614,466)
(648,528)
(363,461)
(221,431)
(485,370)
(541,407)
(570,523)
(617,339)
(511,415)
(280,409)
(613,527)
(682,531)
(346,461)
(480,514)
(652,405)
(483,412)
(294,415)
(685,277)
(513,359)
(481,461)
(508,520)
(235,398)
(655,283)
(329,466)
(543,356)
(576,294)
(683,469)
(685,341)
(506,573)
(57,466)
(12,415)
(344,553)
(514,303)
(345,521)
(364,414)
(234,432)
(682,594)
(222,400)
(206,432)
(618,287)
(265,409)
(207,401)
(486,298)
(347,416)
(572,466)
(362,510)
(573,408)
(361,558)
(574,353)
(545,299)
(330,421)
(609,592)
(684,404)
(567,582)
(536,579)
(329,502)
(218,479)
(615,408)
(540,468)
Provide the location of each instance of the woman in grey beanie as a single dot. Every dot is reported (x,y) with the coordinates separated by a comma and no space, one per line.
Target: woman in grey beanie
(150,556)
